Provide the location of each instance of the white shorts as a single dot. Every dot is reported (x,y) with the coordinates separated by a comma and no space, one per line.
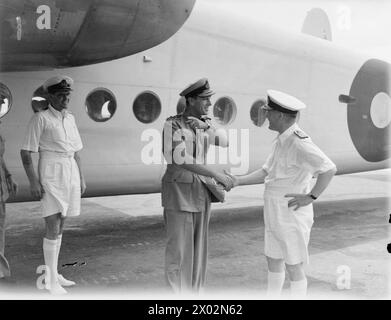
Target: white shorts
(60,178)
(287,232)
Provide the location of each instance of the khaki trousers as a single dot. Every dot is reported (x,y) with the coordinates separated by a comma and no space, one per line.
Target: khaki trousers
(4,266)
(187,249)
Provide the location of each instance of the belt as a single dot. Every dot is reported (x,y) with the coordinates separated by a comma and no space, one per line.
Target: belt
(279,190)
(54,154)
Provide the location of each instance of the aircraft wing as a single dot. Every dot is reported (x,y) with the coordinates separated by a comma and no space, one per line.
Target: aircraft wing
(70,33)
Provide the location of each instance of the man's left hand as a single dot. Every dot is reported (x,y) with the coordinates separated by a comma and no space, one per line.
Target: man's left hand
(299,200)
(12,186)
(83,186)
(195,123)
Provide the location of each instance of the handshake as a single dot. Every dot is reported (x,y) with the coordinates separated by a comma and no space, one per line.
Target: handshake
(227,180)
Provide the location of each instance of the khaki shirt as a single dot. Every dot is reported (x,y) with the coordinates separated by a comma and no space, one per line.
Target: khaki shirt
(53,131)
(183,190)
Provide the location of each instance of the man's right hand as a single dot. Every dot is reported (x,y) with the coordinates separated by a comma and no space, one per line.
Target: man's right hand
(235,179)
(12,186)
(225,180)
(37,190)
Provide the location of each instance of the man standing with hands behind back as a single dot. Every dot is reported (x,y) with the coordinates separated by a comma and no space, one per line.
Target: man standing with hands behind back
(287,173)
(60,182)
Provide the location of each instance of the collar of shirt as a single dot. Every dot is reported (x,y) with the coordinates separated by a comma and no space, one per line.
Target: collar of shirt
(59,114)
(283,136)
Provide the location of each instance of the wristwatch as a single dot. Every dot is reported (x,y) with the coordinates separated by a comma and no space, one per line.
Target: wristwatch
(312,196)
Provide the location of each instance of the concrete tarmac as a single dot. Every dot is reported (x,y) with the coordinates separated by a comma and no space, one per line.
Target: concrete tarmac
(115,249)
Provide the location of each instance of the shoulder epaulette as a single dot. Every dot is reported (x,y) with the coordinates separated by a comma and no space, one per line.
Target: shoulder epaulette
(300,134)
(176,117)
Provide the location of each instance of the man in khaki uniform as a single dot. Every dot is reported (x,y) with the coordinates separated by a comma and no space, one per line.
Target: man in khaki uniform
(186,200)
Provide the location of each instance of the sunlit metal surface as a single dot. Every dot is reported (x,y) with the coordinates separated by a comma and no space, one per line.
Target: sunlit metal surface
(68,33)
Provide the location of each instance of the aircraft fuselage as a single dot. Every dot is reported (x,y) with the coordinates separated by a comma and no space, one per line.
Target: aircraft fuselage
(242,61)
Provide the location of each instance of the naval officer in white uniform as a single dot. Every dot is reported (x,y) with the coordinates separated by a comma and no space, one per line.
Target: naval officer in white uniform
(60,182)
(287,174)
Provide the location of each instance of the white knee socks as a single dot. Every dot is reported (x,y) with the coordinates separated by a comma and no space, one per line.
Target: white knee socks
(64,282)
(50,256)
(275,282)
(59,240)
(299,289)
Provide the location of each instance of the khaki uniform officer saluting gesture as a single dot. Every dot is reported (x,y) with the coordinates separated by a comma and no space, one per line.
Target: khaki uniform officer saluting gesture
(185,197)
(287,173)
(59,183)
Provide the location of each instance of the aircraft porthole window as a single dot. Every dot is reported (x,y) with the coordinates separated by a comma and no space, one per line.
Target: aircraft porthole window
(257,114)
(39,101)
(5,100)
(181,105)
(101,105)
(147,107)
(224,110)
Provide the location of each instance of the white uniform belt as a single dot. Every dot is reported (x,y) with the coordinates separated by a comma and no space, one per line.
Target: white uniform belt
(276,190)
(54,154)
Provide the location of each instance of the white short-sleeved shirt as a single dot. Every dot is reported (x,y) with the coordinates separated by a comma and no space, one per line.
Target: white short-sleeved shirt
(295,159)
(53,131)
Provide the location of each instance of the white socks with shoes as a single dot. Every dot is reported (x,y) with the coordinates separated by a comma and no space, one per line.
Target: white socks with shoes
(54,281)
(275,282)
(50,256)
(61,280)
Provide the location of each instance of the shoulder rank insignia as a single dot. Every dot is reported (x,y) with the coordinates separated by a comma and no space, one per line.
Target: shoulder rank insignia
(300,134)
(205,118)
(176,117)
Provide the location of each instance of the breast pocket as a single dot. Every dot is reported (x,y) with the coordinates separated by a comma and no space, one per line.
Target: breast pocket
(56,132)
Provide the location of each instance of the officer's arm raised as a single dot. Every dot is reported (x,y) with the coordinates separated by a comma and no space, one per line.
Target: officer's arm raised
(218,137)
(178,148)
